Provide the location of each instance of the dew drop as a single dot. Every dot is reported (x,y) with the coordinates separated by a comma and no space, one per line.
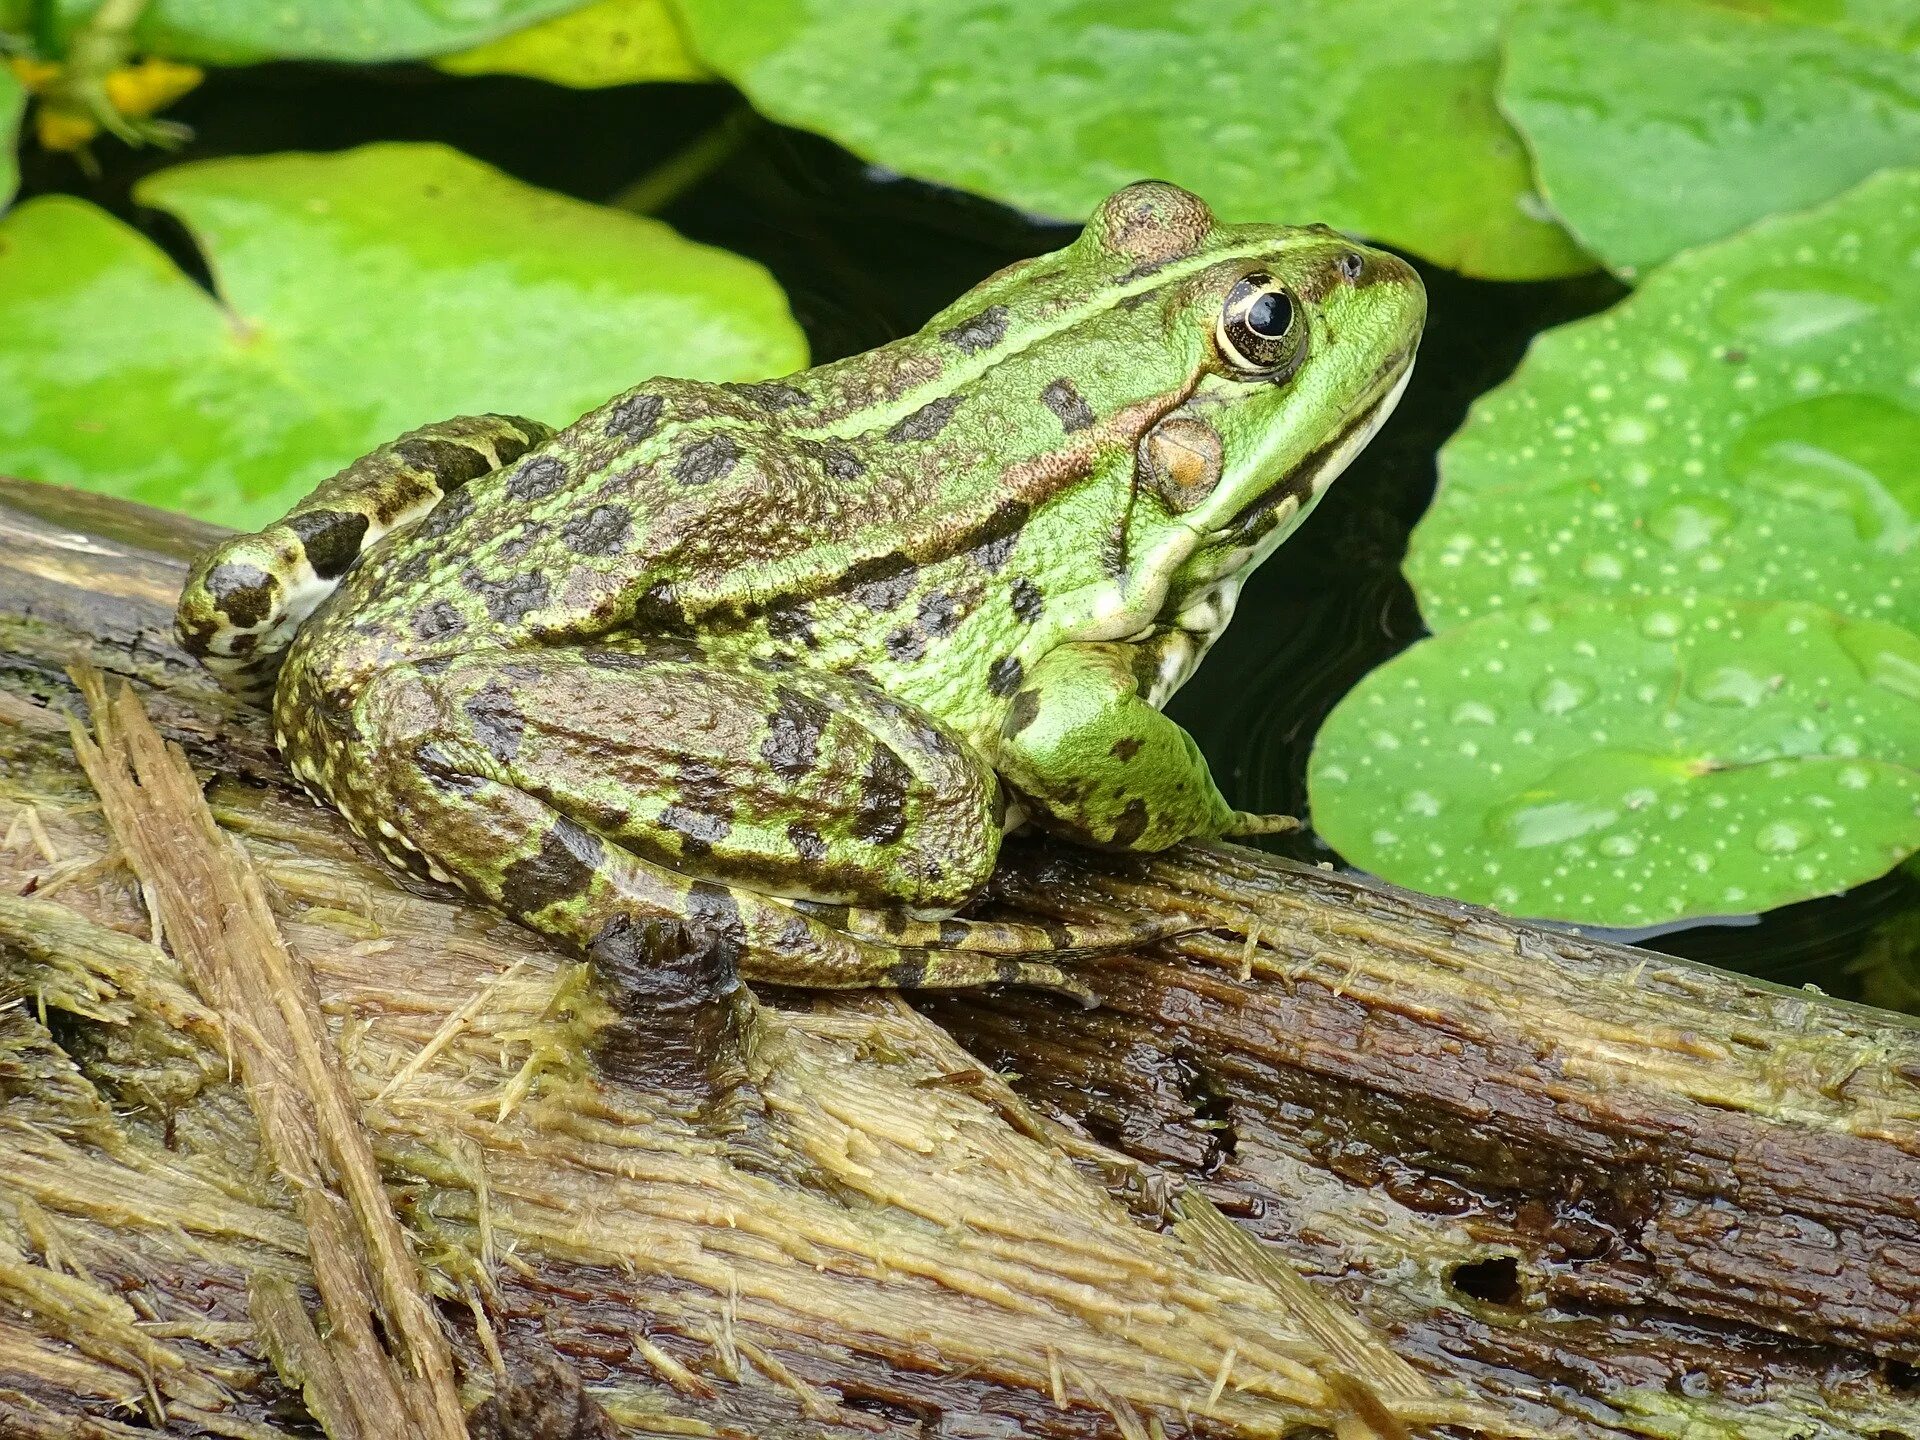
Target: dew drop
(1562,694)
(1661,624)
(1619,847)
(1691,523)
(1780,837)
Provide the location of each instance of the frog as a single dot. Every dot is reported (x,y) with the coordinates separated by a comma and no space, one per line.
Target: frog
(781,662)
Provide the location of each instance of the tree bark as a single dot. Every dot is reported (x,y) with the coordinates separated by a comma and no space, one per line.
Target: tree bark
(341,1148)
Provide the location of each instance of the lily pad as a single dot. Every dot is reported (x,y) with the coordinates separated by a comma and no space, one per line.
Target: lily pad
(1746,425)
(359,294)
(1372,115)
(614,42)
(13,104)
(1629,763)
(239,32)
(1660,124)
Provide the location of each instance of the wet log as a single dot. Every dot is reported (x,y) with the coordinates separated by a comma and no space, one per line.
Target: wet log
(288,1139)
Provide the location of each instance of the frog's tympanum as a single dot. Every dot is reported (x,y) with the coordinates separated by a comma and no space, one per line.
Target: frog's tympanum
(781,661)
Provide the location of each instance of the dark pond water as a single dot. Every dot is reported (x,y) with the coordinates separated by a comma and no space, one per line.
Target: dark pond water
(866,256)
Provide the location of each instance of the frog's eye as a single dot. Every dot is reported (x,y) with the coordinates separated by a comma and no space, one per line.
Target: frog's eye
(1259,331)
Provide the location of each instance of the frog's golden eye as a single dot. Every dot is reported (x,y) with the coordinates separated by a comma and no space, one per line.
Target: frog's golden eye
(1260,330)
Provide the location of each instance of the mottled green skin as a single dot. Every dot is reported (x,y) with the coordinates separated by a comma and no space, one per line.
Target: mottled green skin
(711,646)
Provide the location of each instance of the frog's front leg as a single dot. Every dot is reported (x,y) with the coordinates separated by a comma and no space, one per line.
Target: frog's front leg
(1091,759)
(579,789)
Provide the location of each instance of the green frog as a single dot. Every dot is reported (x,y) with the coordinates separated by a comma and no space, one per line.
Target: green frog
(781,662)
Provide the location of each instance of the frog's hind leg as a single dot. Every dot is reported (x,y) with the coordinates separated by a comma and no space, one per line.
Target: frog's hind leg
(245,599)
(582,789)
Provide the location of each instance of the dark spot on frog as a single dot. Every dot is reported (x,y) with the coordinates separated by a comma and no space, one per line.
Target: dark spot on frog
(881,817)
(1058,935)
(940,613)
(243,593)
(792,623)
(1004,676)
(496,721)
(806,841)
(907,644)
(448,513)
(841,463)
(1132,823)
(926,422)
(509,599)
(536,479)
(331,539)
(1025,597)
(706,461)
(1023,712)
(1145,270)
(561,870)
(792,746)
(697,829)
(881,583)
(770,395)
(448,463)
(634,418)
(993,553)
(1066,402)
(714,915)
(438,620)
(1125,748)
(1734,355)
(910,970)
(243,644)
(978,332)
(601,531)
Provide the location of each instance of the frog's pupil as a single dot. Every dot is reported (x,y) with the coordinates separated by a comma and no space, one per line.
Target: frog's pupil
(1270,315)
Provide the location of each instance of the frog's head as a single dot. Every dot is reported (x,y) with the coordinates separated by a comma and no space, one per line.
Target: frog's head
(1292,346)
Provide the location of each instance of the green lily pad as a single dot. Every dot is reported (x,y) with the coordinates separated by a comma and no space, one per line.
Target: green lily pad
(360,294)
(13,104)
(239,32)
(1660,124)
(614,42)
(1747,424)
(1372,115)
(1631,762)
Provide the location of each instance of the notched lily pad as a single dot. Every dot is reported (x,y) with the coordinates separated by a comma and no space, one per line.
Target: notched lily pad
(1746,425)
(360,294)
(1660,124)
(1371,115)
(613,42)
(1629,763)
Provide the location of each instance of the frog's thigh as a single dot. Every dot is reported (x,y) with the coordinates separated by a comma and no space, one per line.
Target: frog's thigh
(1092,760)
(576,787)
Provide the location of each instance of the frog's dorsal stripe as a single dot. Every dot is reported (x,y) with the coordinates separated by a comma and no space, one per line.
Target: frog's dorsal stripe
(1051,288)
(244,601)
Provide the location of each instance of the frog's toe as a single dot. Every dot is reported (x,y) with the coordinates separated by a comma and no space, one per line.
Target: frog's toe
(1055,940)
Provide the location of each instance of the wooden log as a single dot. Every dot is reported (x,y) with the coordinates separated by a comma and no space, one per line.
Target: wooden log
(1482,1177)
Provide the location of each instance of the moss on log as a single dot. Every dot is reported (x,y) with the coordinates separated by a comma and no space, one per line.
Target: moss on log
(290,1143)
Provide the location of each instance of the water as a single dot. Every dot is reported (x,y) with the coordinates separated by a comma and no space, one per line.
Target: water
(866,256)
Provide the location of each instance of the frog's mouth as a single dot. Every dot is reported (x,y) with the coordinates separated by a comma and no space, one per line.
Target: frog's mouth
(1255,530)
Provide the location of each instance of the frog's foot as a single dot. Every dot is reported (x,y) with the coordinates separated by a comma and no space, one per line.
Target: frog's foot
(578,789)
(1245,823)
(1057,940)
(244,601)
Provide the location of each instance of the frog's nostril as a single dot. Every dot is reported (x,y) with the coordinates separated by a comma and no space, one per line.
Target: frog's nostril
(1351,264)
